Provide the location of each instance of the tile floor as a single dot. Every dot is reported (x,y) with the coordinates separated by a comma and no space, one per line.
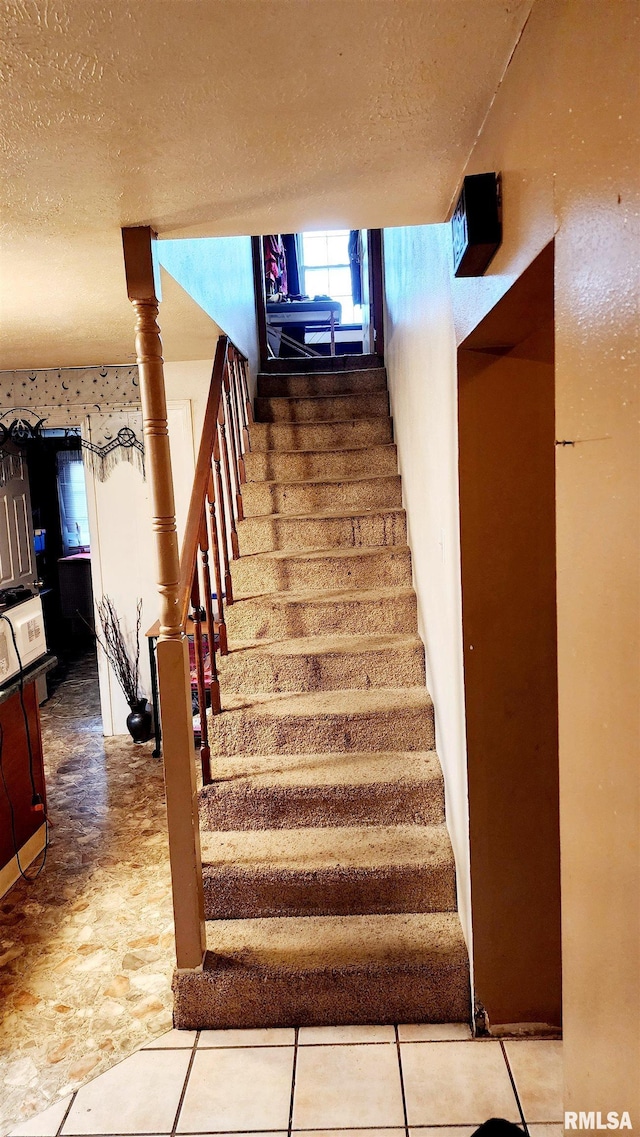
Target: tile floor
(86,950)
(377,1081)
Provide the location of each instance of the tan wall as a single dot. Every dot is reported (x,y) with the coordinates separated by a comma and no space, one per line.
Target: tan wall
(421,366)
(507,522)
(562,130)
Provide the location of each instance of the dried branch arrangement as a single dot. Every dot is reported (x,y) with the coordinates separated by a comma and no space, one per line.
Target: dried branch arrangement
(114,646)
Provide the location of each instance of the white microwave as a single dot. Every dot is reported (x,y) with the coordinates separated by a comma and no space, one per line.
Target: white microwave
(28,625)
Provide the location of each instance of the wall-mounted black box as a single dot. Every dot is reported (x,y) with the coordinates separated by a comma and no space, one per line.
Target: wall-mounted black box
(477,224)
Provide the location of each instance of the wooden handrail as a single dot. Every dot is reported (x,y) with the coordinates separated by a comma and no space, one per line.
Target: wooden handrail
(215,508)
(189,551)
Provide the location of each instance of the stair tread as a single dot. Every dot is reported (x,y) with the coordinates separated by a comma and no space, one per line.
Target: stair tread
(322,703)
(326,434)
(335,942)
(339,595)
(308,849)
(317,398)
(322,515)
(331,551)
(325,365)
(323,645)
(323,453)
(293,384)
(328,371)
(373,419)
(327,479)
(350,768)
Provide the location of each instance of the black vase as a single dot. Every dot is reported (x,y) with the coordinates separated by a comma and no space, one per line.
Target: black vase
(139,721)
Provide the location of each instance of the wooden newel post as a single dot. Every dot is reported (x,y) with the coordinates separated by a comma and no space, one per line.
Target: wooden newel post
(172,652)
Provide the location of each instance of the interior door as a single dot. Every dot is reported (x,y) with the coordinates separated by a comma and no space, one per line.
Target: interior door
(17,565)
(376,291)
(367,321)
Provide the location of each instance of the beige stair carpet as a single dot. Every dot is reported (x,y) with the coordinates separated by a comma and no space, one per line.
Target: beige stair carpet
(328,872)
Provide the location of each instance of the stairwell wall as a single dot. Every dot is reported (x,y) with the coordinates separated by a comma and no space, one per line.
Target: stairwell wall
(420,355)
(562,131)
(217,272)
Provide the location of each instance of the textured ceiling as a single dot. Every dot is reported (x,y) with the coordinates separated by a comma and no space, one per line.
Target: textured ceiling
(211,117)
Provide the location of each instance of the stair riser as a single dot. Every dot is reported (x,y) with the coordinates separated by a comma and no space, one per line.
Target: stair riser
(297,807)
(259,620)
(386,668)
(302,386)
(253,733)
(267,534)
(313,364)
(251,577)
(320,435)
(260,498)
(233,894)
(299,465)
(335,408)
(375,993)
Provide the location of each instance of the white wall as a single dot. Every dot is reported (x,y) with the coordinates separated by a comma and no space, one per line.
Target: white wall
(189,380)
(420,353)
(217,272)
(122,547)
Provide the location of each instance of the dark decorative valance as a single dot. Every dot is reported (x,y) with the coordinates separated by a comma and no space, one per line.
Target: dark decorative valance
(124,446)
(102,452)
(19,425)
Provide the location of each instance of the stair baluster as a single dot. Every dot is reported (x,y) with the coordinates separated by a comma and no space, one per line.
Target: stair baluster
(238,418)
(224,449)
(197,614)
(222,519)
(231,418)
(245,402)
(212,628)
(217,569)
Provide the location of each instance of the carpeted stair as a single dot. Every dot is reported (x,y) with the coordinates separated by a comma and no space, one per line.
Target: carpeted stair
(328,871)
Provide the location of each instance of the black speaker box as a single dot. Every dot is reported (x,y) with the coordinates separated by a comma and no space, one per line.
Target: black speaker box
(477,224)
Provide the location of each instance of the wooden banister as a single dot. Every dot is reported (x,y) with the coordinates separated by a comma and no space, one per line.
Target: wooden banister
(185,580)
(172,650)
(211,529)
(189,552)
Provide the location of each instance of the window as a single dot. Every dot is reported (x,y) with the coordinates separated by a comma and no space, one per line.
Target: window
(326,270)
(72,499)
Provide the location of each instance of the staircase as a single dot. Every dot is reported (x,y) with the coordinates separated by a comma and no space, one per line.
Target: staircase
(329,877)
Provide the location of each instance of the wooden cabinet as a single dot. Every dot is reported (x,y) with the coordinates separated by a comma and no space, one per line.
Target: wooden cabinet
(28,832)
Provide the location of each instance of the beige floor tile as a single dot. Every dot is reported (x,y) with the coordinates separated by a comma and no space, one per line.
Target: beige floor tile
(397,1132)
(238,1089)
(140,1095)
(433,1032)
(450,1131)
(173,1040)
(45,1124)
(338,1086)
(536,1066)
(456,1083)
(260,1036)
(312,1035)
(541,1130)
